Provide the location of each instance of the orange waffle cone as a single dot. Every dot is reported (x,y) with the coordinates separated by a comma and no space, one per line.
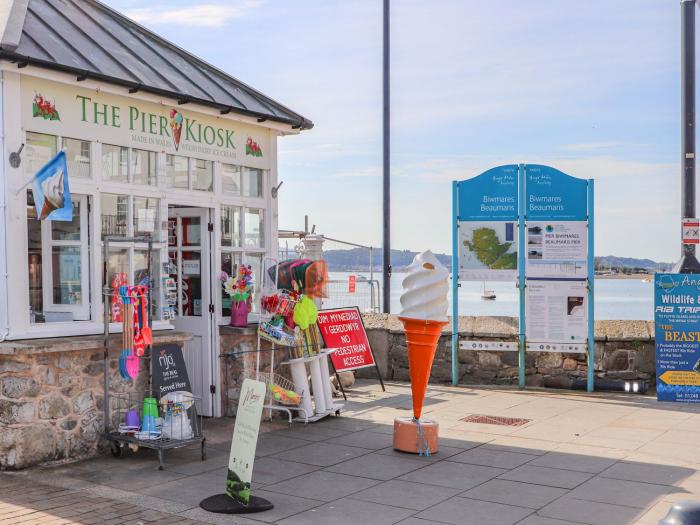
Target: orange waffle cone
(421,338)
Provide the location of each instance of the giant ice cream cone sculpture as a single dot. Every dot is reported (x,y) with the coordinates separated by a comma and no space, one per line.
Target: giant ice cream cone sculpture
(423,314)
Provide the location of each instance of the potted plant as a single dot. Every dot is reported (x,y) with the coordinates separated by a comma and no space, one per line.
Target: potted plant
(240,290)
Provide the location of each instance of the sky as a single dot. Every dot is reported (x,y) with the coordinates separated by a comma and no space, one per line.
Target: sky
(591,88)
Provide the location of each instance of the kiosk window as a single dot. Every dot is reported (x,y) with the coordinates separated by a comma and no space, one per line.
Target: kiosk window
(57,265)
(78,157)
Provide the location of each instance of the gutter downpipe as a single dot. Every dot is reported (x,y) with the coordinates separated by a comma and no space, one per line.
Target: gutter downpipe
(4,282)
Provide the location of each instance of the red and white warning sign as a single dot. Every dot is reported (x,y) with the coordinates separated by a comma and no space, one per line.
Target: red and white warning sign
(691,231)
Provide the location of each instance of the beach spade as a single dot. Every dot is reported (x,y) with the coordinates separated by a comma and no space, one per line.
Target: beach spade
(421,339)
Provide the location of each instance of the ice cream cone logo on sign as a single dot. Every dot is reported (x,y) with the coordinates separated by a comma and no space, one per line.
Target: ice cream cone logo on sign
(176,127)
(54,197)
(423,314)
(51,192)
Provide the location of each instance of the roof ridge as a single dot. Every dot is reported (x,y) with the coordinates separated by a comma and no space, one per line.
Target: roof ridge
(12,15)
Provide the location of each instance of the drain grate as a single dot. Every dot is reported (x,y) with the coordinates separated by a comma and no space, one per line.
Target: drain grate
(495,420)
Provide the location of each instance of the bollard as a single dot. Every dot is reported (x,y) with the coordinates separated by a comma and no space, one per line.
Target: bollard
(684,512)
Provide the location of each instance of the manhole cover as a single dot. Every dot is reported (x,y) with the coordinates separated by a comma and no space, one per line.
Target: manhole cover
(495,420)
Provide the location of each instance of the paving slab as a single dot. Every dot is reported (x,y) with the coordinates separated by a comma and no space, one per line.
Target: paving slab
(322,485)
(463,511)
(405,494)
(541,520)
(364,439)
(515,493)
(620,492)
(551,477)
(349,512)
(284,506)
(190,490)
(322,454)
(451,474)
(269,470)
(570,461)
(379,466)
(589,512)
(443,453)
(492,458)
(272,443)
(649,472)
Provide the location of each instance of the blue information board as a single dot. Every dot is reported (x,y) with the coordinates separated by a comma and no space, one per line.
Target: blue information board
(492,196)
(553,214)
(677,332)
(554,196)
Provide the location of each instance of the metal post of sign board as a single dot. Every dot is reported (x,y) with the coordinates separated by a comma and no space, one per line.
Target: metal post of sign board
(455,282)
(522,253)
(591,287)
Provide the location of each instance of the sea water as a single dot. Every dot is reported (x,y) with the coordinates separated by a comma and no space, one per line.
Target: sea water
(614,298)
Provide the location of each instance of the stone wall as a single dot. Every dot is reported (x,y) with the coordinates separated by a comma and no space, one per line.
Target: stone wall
(52,396)
(623,350)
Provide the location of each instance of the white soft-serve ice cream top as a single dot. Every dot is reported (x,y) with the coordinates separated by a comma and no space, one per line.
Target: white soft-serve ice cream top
(425,289)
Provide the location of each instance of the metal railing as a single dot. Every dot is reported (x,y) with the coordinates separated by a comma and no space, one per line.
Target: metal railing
(364,294)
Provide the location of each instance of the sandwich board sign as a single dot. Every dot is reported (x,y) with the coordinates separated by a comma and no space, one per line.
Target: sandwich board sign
(531,224)
(343,330)
(238,499)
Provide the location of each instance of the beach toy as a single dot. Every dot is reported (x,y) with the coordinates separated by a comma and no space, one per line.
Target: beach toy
(124,295)
(131,419)
(316,279)
(150,406)
(305,313)
(287,397)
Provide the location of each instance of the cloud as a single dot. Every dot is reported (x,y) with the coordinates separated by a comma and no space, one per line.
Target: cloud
(203,15)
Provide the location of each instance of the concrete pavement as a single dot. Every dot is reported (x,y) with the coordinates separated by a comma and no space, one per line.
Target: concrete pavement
(607,459)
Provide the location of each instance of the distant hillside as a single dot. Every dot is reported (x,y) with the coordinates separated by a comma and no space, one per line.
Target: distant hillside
(612,261)
(357,259)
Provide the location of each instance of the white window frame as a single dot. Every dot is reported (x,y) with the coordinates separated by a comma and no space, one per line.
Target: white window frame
(81,312)
(157,250)
(242,203)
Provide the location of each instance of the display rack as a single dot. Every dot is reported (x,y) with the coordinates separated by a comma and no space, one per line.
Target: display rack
(301,356)
(169,434)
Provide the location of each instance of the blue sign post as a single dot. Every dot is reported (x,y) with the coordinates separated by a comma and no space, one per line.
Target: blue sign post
(553,259)
(677,333)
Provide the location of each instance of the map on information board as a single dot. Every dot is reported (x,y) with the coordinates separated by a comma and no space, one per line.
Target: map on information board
(488,251)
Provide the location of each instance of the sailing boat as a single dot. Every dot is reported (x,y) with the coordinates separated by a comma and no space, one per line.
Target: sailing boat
(488,295)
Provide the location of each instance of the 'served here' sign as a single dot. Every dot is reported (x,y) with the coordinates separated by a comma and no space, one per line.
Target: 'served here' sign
(343,330)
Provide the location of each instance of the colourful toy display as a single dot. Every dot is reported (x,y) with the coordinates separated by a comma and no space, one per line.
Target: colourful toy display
(281,395)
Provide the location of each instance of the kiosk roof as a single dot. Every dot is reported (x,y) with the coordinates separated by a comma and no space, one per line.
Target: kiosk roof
(91,40)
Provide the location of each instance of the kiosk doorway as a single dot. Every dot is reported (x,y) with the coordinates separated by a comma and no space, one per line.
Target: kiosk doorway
(189,253)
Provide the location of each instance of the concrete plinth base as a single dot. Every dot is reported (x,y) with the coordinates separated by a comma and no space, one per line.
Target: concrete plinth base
(406,438)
